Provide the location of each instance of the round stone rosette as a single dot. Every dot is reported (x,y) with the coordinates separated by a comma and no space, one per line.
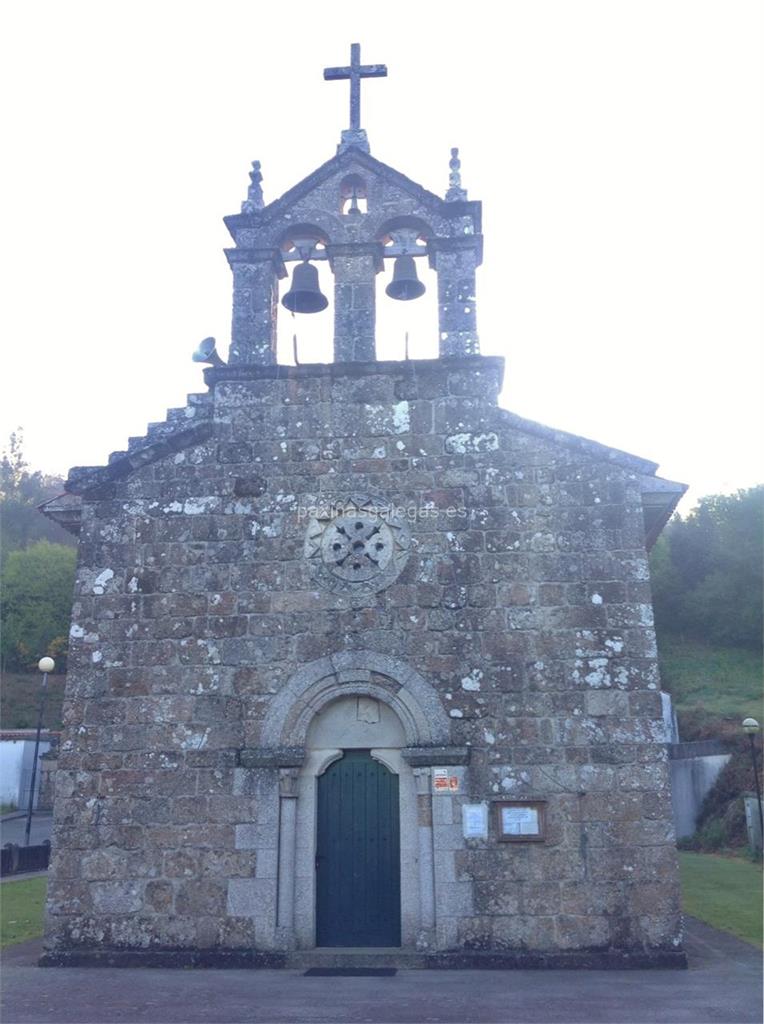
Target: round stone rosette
(356,544)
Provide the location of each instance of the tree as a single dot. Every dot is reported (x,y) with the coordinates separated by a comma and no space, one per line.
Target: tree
(21,491)
(36,604)
(707,571)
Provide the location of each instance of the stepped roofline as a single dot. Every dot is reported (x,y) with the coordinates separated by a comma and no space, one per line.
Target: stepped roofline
(659,496)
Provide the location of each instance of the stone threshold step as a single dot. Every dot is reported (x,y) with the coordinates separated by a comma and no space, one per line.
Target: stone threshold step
(367,956)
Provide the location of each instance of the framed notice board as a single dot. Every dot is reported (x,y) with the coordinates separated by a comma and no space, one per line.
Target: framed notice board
(520,821)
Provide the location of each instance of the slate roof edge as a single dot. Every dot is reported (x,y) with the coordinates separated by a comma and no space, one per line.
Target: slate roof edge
(91,480)
(660,496)
(67,514)
(586,445)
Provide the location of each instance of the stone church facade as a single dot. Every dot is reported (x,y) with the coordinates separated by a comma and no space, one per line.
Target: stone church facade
(358,657)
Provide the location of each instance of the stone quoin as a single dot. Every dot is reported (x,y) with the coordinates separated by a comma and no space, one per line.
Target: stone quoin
(359,658)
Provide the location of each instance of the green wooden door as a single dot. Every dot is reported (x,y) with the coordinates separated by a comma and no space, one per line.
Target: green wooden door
(358,874)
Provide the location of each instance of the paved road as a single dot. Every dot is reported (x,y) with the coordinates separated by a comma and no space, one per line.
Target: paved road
(722,986)
(13,828)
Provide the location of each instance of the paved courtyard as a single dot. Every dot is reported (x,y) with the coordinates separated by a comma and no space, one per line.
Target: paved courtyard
(723,986)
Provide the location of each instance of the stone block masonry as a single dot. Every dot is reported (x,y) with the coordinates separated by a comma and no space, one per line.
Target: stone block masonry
(514,604)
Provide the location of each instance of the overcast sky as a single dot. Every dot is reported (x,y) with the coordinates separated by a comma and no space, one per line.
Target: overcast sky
(616,147)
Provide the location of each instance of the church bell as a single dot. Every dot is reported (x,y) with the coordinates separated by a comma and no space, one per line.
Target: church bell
(304,295)
(405,284)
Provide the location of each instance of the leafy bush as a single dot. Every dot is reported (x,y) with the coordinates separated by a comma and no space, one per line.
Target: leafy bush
(36,604)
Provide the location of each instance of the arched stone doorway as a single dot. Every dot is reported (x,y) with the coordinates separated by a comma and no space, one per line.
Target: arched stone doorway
(357,700)
(352,701)
(413,699)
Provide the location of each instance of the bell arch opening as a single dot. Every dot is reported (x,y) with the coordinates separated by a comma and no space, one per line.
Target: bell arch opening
(407,329)
(407,292)
(305,308)
(306,337)
(353,195)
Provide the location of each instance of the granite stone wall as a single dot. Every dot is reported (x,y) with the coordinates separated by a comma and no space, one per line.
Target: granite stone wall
(519,592)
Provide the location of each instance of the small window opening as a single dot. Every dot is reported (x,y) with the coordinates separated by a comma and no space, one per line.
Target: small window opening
(353,198)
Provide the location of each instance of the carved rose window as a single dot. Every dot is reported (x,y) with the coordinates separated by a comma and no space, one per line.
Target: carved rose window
(356,544)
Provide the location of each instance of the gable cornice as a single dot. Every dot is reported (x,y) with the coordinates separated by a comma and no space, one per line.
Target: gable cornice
(339,162)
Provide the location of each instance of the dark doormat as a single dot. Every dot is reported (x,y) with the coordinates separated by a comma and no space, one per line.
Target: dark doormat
(350,972)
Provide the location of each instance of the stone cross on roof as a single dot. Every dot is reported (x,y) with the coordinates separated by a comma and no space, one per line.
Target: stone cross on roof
(355,72)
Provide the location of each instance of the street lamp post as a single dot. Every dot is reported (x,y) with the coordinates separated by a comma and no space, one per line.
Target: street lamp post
(751,727)
(45,665)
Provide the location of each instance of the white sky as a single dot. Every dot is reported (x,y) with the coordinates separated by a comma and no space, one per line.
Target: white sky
(616,147)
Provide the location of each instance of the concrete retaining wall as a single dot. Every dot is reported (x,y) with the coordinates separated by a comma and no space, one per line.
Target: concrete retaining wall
(691,779)
(16,758)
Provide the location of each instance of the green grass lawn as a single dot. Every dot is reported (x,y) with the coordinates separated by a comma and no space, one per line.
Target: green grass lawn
(724,681)
(725,892)
(22,909)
